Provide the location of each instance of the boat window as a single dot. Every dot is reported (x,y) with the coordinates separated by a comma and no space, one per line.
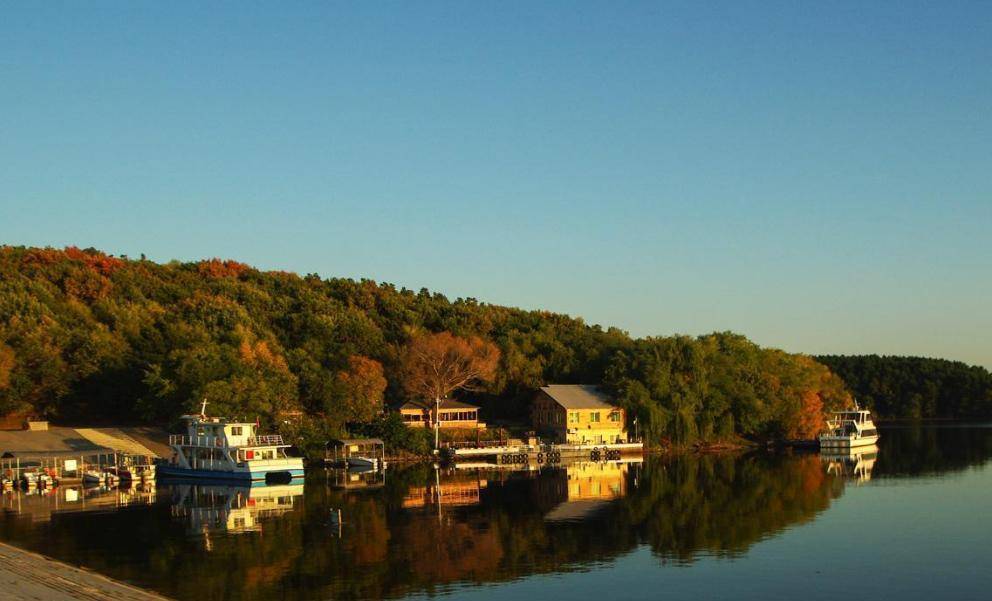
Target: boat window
(236,430)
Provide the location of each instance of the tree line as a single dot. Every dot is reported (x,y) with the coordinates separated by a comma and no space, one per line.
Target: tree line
(88,336)
(915,387)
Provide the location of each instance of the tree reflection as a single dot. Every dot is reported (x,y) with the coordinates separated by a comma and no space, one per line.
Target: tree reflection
(425,531)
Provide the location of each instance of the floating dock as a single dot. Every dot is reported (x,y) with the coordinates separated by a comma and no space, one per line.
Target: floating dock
(542,453)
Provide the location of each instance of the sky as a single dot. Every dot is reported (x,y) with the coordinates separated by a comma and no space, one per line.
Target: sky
(816,176)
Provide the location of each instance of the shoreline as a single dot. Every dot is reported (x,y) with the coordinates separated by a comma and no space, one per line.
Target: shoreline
(29,576)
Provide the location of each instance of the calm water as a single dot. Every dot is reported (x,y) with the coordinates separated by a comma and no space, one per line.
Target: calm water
(912,521)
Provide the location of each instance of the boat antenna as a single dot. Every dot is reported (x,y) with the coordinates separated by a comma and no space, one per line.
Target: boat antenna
(203,408)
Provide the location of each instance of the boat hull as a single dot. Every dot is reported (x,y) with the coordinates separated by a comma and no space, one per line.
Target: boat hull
(831,442)
(245,476)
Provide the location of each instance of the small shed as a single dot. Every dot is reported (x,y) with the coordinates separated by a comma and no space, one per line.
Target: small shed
(356,452)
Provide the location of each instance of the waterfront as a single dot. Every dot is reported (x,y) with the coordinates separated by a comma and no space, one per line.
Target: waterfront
(909,523)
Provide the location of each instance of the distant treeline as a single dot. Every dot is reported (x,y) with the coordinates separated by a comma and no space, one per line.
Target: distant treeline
(915,387)
(87,336)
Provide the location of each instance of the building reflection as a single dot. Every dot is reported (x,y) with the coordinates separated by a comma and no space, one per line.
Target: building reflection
(450,488)
(231,509)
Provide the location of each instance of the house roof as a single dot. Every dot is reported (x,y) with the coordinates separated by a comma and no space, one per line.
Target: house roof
(578,396)
(445,404)
(358,441)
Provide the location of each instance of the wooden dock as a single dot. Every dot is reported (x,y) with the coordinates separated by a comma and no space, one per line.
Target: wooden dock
(28,576)
(541,453)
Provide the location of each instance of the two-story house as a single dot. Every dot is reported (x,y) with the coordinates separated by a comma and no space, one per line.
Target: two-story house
(578,414)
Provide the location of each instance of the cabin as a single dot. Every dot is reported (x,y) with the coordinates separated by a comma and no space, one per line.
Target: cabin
(578,414)
(453,414)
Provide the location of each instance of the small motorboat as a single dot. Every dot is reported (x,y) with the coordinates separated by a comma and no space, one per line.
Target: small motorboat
(92,477)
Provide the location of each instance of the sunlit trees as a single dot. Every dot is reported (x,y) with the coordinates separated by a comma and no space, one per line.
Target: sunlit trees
(435,365)
(92,336)
(362,386)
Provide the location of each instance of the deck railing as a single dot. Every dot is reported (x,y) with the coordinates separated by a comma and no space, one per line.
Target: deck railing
(196,441)
(267,440)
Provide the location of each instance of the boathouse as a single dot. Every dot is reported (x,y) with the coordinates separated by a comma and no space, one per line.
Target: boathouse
(578,414)
(453,414)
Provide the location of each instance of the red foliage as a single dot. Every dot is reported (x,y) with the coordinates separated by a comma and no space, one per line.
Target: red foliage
(217,268)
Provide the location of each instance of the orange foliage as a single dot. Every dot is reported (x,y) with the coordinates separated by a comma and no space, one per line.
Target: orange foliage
(364,385)
(217,268)
(435,365)
(260,355)
(6,365)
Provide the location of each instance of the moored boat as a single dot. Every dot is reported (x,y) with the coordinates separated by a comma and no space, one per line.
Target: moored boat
(216,448)
(849,429)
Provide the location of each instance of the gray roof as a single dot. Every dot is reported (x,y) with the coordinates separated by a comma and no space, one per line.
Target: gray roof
(349,441)
(445,404)
(578,396)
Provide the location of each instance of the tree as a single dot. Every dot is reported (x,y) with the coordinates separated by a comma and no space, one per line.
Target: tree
(362,386)
(435,365)
(6,365)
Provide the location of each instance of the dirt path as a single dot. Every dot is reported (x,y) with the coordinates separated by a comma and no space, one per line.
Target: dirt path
(26,576)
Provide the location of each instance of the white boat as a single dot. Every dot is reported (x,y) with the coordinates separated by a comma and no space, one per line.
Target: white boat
(365,462)
(215,448)
(849,429)
(92,477)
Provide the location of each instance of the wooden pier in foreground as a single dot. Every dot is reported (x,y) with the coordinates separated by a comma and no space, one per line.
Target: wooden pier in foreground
(28,576)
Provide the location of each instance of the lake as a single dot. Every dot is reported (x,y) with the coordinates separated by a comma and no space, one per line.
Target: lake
(908,520)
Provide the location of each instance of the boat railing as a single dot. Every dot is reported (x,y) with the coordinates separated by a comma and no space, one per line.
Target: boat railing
(267,440)
(183,440)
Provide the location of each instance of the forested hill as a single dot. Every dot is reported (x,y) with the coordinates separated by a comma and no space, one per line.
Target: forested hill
(85,335)
(916,387)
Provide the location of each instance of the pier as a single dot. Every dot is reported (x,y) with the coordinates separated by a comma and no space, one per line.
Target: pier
(27,576)
(518,452)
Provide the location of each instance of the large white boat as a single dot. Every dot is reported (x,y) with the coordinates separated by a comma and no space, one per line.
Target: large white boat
(849,429)
(216,448)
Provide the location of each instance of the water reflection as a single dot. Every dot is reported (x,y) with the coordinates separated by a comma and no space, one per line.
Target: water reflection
(41,504)
(855,465)
(417,529)
(230,508)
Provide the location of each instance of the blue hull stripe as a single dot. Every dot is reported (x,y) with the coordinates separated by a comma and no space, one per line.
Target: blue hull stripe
(165,470)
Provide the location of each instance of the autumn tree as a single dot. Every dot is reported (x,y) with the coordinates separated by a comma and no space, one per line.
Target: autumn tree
(362,387)
(6,365)
(435,365)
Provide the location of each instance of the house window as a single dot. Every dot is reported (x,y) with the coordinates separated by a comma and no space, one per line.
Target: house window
(573,417)
(594,416)
(614,416)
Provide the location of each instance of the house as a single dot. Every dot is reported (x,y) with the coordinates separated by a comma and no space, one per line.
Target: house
(578,414)
(453,414)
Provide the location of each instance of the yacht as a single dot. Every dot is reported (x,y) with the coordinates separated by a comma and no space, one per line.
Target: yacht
(216,448)
(849,429)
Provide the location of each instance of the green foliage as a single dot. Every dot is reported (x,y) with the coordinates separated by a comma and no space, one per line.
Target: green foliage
(916,387)
(86,336)
(396,435)
(686,390)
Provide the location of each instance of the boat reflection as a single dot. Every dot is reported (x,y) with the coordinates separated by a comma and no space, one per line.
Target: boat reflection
(40,504)
(854,465)
(355,478)
(231,508)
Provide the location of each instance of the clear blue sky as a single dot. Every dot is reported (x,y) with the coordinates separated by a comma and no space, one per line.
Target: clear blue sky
(817,176)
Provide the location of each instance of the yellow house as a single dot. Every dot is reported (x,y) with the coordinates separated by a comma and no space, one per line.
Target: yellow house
(578,414)
(453,414)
